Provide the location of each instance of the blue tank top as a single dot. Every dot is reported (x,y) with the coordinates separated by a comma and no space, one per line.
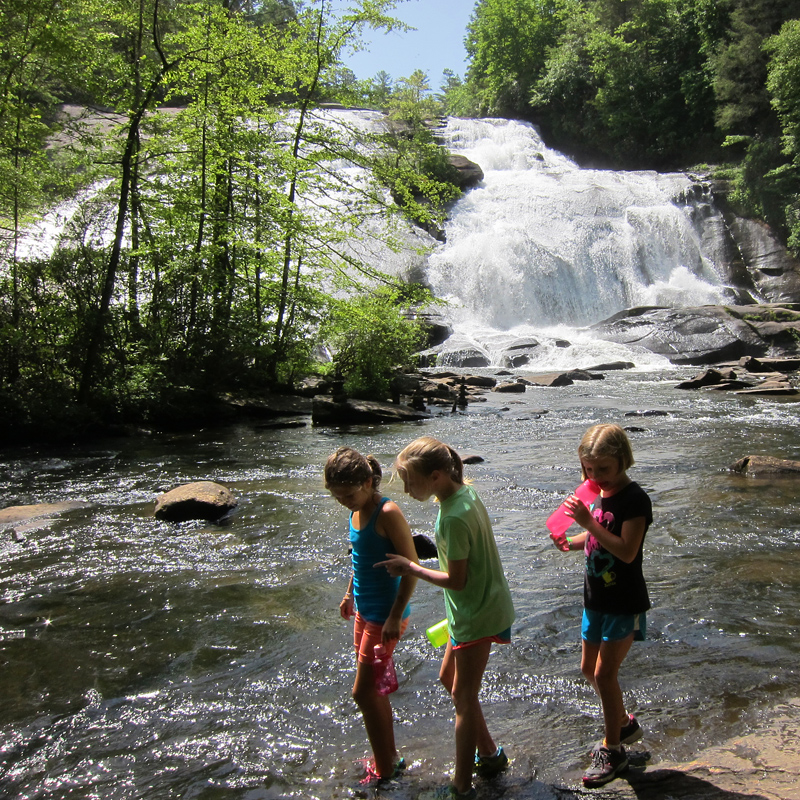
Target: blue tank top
(374,589)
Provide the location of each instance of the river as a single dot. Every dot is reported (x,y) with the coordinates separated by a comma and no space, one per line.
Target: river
(143,659)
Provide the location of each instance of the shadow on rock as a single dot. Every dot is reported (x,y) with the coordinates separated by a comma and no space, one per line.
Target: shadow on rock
(657,784)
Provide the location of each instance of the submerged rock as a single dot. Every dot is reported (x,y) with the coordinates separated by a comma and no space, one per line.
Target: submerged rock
(766,465)
(12,514)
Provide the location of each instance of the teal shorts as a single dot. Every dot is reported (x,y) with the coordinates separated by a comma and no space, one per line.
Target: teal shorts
(599,627)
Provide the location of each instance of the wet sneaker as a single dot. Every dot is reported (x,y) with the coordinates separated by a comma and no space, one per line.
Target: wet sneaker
(450,793)
(606,765)
(487,766)
(372,778)
(630,733)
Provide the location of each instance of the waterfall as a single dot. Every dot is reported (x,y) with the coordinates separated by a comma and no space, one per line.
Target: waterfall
(538,251)
(542,244)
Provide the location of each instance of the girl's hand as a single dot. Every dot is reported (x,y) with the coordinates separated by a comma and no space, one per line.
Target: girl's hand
(579,511)
(347,607)
(391,630)
(560,541)
(396,565)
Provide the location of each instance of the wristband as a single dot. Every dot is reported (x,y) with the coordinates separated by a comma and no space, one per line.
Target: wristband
(569,541)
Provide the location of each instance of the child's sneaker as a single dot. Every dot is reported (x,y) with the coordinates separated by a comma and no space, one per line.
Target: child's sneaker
(606,765)
(488,766)
(373,779)
(630,733)
(450,793)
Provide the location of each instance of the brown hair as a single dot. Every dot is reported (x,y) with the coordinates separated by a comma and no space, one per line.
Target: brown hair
(347,467)
(607,440)
(427,454)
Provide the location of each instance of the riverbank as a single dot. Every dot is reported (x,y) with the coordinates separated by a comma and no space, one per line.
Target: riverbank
(762,765)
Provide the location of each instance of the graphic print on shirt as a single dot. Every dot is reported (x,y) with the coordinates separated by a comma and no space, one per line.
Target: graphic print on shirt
(598,561)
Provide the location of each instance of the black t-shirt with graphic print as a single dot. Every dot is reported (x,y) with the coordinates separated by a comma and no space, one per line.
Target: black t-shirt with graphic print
(610,585)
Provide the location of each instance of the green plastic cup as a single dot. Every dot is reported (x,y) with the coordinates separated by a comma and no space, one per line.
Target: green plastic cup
(437,634)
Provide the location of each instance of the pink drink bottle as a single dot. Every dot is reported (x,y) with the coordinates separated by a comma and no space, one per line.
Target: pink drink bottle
(558,521)
(383,667)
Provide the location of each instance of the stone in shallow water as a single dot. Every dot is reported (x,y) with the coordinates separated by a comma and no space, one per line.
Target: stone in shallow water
(200,500)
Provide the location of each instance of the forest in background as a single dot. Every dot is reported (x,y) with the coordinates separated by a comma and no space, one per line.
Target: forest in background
(201,261)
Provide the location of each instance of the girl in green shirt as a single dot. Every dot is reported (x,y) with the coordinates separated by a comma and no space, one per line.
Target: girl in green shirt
(476,593)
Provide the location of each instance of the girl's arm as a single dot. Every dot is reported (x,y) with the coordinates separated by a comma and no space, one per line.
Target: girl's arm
(394,526)
(624,547)
(455,578)
(347,606)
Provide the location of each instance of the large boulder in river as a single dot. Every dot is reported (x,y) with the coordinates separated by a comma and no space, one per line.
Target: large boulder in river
(705,334)
(457,352)
(467,173)
(200,500)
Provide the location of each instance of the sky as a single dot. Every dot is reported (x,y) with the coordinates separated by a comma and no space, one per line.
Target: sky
(435,45)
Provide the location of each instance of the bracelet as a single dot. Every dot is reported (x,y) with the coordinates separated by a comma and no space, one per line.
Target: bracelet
(348,596)
(569,541)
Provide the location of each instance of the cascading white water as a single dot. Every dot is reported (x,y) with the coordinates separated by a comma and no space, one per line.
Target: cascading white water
(538,250)
(543,244)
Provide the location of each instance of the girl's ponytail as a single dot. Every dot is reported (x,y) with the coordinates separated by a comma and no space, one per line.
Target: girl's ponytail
(457,473)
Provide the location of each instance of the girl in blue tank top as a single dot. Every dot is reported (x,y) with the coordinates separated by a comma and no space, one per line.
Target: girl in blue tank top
(379,602)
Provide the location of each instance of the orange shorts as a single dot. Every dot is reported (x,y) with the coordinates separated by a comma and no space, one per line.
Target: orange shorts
(367,634)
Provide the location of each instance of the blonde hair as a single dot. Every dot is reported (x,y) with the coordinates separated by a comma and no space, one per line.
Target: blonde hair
(347,467)
(607,440)
(426,454)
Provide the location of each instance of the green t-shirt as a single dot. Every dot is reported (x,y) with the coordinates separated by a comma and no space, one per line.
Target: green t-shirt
(463,530)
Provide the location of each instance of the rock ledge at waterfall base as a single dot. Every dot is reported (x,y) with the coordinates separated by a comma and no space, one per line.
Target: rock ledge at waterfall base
(707,334)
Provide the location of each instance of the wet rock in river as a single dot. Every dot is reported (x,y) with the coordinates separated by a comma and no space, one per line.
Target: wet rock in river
(766,465)
(199,500)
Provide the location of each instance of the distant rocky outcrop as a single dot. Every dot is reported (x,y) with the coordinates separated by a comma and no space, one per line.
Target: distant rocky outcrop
(199,500)
(756,376)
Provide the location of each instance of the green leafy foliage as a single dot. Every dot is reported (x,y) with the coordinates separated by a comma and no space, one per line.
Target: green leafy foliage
(371,336)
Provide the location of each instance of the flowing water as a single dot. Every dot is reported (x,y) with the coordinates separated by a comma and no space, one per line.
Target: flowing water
(143,659)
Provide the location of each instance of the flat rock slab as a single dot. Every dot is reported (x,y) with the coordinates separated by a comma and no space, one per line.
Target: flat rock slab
(766,465)
(764,765)
(200,500)
(328,411)
(22,513)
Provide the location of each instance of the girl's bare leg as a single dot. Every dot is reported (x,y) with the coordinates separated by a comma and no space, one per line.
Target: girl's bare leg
(461,673)
(376,710)
(600,665)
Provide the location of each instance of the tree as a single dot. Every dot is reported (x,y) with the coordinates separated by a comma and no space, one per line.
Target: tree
(507,43)
(740,65)
(783,84)
(371,337)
